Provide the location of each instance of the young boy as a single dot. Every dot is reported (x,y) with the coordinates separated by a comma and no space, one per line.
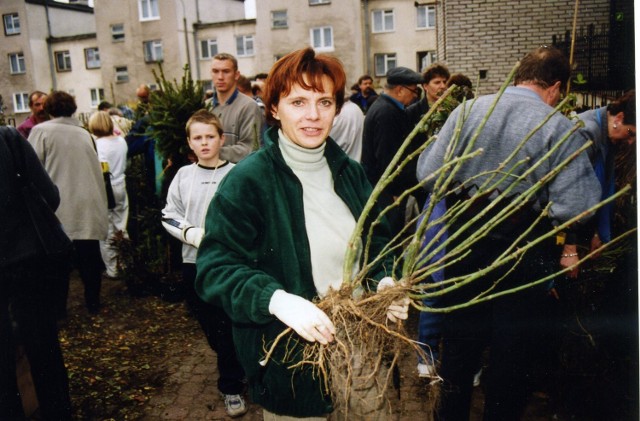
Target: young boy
(183,217)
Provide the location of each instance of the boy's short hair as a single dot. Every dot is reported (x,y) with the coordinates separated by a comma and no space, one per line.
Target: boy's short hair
(204,116)
(100,124)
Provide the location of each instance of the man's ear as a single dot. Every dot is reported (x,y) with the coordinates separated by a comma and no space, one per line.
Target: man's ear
(222,139)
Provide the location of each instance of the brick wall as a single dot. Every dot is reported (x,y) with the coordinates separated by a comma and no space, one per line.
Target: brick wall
(492,35)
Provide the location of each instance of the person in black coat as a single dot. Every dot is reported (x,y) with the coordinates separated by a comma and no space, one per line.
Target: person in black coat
(386,126)
(27,283)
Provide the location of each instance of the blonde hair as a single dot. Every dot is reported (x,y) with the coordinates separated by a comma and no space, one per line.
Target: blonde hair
(204,116)
(100,124)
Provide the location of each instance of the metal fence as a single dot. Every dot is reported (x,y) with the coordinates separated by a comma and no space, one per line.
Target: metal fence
(591,62)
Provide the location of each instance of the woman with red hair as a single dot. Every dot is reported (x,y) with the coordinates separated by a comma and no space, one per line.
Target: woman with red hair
(276,234)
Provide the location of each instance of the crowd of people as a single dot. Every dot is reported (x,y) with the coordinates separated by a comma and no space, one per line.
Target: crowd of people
(281,169)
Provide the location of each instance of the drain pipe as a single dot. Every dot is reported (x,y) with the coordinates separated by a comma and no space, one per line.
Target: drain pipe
(367,47)
(52,71)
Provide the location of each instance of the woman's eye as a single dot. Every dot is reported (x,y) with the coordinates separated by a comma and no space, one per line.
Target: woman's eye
(326,102)
(297,103)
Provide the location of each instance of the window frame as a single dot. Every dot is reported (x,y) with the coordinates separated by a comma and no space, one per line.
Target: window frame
(245,40)
(429,9)
(15,17)
(324,47)
(121,76)
(118,36)
(210,42)
(87,60)
(318,2)
(20,62)
(155,50)
(25,102)
(146,7)
(384,13)
(96,96)
(66,57)
(388,58)
(274,19)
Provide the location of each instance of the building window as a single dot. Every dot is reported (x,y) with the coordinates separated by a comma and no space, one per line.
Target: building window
(279,19)
(16,63)
(426,59)
(208,48)
(97,95)
(21,102)
(314,2)
(244,45)
(383,20)
(122,74)
(92,58)
(384,63)
(152,51)
(63,61)
(207,85)
(322,38)
(117,32)
(11,24)
(148,9)
(426,17)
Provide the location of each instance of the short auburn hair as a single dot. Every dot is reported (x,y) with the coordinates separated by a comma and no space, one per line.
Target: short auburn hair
(100,124)
(204,116)
(305,68)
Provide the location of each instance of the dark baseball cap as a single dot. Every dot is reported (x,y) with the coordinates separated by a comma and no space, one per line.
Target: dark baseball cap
(403,76)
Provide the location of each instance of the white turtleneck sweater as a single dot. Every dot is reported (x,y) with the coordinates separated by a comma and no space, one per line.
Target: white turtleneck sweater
(328,220)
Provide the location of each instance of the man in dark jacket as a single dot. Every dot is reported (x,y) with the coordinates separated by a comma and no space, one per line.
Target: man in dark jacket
(28,279)
(386,126)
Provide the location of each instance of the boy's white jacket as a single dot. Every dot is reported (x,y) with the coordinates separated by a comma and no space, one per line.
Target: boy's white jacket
(188,199)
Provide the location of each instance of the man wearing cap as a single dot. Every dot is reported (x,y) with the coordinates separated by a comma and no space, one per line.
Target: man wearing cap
(386,125)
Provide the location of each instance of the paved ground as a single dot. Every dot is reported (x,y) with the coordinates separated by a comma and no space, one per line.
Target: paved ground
(189,391)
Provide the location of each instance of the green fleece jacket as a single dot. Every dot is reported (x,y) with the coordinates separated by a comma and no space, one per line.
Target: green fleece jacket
(255,243)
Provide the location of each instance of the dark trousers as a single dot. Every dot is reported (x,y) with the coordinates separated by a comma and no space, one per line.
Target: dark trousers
(88,260)
(514,327)
(217,328)
(27,318)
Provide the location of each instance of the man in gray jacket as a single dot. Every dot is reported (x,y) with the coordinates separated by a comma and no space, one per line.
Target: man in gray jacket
(242,119)
(69,155)
(511,326)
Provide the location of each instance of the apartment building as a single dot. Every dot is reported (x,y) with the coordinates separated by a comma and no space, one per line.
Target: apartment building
(368,36)
(105,52)
(136,36)
(42,50)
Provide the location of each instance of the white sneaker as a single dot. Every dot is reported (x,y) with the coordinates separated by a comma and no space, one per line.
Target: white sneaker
(234,405)
(476,378)
(426,370)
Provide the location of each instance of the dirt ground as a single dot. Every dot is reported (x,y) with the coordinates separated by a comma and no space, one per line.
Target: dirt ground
(144,358)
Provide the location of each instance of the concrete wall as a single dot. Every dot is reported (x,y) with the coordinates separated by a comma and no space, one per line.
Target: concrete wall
(225,35)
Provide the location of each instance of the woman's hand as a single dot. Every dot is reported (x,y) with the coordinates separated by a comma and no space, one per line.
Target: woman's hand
(302,316)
